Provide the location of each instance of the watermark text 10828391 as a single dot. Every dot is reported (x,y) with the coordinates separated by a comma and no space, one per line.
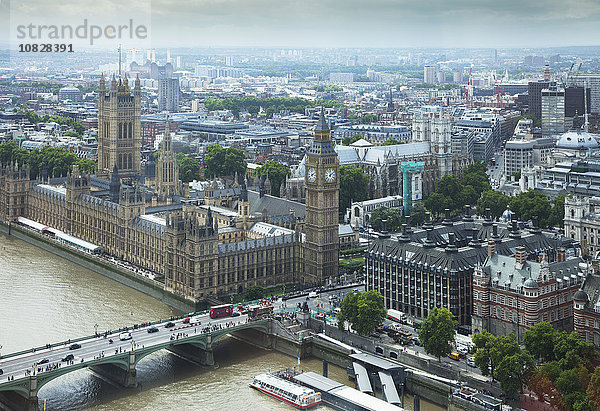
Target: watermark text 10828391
(45,48)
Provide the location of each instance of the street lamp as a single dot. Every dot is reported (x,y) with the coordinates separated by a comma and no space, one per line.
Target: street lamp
(95,329)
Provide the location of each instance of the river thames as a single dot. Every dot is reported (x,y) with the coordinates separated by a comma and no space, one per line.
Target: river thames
(46,298)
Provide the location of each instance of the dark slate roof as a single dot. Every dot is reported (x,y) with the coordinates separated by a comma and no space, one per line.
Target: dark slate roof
(591,286)
(466,256)
(276,207)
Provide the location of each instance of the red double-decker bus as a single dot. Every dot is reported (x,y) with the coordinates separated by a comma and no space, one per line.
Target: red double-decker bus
(219,311)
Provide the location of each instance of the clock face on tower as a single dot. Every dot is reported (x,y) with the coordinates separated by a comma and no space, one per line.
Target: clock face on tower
(330,175)
(312,175)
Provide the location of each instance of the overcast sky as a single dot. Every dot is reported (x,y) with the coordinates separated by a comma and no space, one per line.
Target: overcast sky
(338,23)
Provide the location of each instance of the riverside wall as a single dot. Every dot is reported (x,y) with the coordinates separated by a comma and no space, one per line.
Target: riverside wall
(123,276)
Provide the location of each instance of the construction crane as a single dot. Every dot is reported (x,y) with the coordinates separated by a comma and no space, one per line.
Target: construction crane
(409,168)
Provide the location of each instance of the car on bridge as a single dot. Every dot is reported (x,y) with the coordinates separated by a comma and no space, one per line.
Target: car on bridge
(69,357)
(43,361)
(1,372)
(169,324)
(125,336)
(152,330)
(74,346)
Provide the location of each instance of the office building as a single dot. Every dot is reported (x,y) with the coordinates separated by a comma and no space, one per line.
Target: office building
(553,110)
(168,94)
(534,93)
(429,74)
(518,154)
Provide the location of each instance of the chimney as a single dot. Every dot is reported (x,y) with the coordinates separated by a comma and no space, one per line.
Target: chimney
(467,216)
(447,220)
(491,247)
(427,220)
(384,226)
(514,231)
(451,247)
(494,231)
(429,240)
(595,265)
(561,255)
(488,217)
(520,255)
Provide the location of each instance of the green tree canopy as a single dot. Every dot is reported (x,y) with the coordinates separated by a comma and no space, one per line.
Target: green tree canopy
(354,186)
(513,370)
(364,311)
(392,215)
(346,141)
(10,151)
(539,340)
(531,203)
(254,292)
(368,118)
(437,332)
(496,201)
(277,172)
(224,162)
(189,168)
(418,214)
(392,142)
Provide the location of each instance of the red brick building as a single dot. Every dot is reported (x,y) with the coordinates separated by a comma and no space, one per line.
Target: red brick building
(587,308)
(511,293)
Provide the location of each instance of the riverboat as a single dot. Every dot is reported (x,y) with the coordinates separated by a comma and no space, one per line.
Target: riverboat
(287,391)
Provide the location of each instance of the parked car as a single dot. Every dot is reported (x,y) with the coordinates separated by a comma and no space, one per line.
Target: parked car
(74,346)
(471,363)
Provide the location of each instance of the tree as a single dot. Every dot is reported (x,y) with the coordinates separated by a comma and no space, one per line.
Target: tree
(437,332)
(363,311)
(354,186)
(277,172)
(86,165)
(484,342)
(57,161)
(392,142)
(371,312)
(418,214)
(557,214)
(495,201)
(72,134)
(539,341)
(531,203)
(593,388)
(348,310)
(224,162)
(346,141)
(392,215)
(254,292)
(368,118)
(10,151)
(189,168)
(436,203)
(570,350)
(513,370)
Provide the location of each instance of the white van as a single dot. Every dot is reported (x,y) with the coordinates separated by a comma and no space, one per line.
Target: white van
(125,336)
(312,294)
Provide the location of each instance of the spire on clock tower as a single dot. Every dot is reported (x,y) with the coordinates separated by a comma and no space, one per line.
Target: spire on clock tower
(322,207)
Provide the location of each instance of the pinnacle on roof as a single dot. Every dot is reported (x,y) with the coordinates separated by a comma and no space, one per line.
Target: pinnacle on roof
(322,124)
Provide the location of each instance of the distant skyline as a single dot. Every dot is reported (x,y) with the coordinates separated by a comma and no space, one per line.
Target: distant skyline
(336,23)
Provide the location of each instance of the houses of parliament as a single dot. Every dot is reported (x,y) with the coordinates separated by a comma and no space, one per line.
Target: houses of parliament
(202,247)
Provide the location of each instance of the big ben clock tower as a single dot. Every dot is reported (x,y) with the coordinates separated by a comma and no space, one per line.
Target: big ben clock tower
(322,182)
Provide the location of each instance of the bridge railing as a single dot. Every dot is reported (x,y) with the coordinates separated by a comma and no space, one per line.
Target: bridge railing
(99,335)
